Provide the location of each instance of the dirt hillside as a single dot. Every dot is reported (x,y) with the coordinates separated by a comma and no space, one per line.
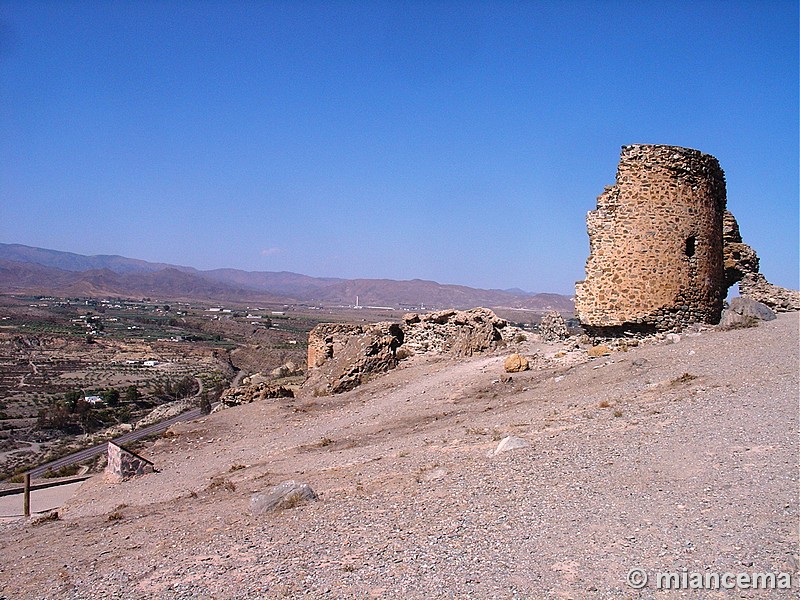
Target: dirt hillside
(665,457)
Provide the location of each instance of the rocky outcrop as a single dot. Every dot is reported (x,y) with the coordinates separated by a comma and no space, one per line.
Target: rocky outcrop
(553,327)
(739,258)
(742,267)
(224,362)
(341,356)
(779,299)
(288,369)
(166,411)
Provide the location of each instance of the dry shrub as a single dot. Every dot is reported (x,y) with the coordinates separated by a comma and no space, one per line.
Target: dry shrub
(221,483)
(403,353)
(685,378)
(292,500)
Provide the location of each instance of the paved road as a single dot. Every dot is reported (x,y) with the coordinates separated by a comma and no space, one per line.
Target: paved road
(131,436)
(11,506)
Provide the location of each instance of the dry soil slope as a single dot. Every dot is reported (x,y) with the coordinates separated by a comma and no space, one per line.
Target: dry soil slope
(631,464)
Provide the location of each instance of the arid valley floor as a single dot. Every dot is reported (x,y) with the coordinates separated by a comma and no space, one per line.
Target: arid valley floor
(665,457)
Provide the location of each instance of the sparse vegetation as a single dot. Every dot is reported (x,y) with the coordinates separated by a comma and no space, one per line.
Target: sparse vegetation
(221,483)
(685,378)
(67,471)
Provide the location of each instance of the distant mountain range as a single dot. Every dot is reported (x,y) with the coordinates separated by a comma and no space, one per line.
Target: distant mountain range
(25,269)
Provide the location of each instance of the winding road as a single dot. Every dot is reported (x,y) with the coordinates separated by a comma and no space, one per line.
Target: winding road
(131,436)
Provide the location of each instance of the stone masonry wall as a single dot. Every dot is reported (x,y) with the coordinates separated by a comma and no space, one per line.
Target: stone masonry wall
(742,266)
(341,356)
(656,250)
(124,464)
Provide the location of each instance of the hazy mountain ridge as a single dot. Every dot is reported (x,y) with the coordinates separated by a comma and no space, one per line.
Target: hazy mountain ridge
(70,261)
(25,269)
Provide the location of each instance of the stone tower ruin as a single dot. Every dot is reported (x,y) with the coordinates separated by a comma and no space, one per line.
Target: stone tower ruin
(663,248)
(656,244)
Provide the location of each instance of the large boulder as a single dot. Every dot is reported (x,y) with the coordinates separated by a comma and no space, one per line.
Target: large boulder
(745,312)
(515,364)
(511,443)
(598,351)
(747,307)
(282,496)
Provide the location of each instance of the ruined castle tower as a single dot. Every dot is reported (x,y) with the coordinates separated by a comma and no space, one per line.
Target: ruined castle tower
(656,245)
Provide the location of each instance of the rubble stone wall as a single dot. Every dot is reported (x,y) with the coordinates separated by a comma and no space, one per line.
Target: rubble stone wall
(742,266)
(656,249)
(328,339)
(341,356)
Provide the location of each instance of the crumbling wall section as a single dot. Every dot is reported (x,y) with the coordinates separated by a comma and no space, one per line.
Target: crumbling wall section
(328,339)
(656,251)
(342,356)
(742,267)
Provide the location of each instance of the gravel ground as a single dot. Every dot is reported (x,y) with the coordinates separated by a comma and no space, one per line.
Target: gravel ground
(668,457)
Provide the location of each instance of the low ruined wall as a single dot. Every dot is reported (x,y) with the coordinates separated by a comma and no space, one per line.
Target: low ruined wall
(341,356)
(742,267)
(327,339)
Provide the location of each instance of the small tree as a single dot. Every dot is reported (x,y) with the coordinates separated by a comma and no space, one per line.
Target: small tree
(111,397)
(71,400)
(132,394)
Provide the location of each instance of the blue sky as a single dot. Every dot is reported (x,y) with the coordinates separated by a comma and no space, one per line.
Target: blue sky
(457,141)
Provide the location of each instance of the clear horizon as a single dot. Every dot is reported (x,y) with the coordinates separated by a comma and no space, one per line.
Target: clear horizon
(460,142)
